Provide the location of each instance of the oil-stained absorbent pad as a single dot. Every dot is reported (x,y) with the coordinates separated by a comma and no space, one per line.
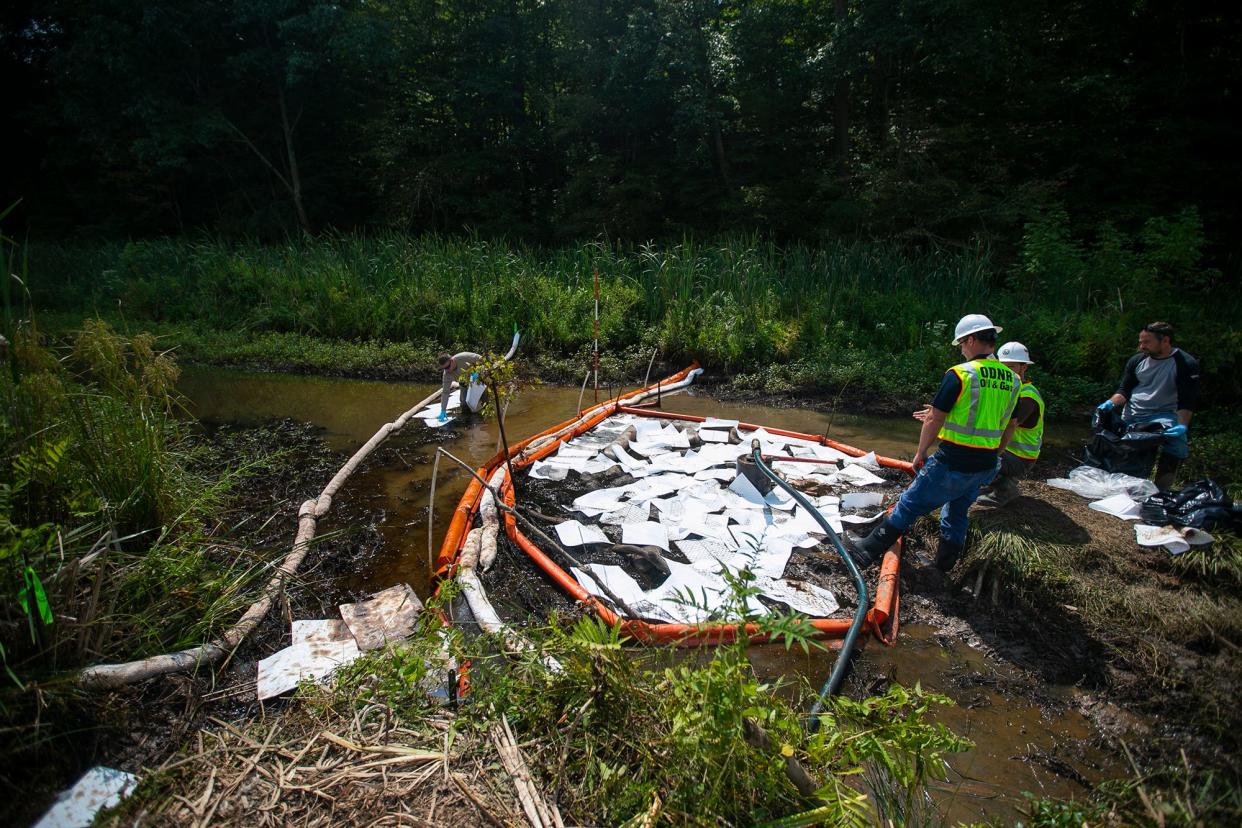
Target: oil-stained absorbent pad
(628,513)
(573,533)
(601,499)
(801,596)
(319,631)
(1165,536)
(855,475)
(1119,505)
(98,788)
(716,422)
(282,670)
(645,534)
(433,410)
(861,500)
(613,577)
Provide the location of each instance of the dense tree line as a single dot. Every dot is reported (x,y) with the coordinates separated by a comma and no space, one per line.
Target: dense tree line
(555,119)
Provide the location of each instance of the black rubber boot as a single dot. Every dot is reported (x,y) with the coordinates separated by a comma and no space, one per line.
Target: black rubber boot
(868,550)
(1003,491)
(1166,472)
(947,555)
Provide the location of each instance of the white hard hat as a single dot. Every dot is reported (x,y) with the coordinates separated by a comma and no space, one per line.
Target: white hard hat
(972,323)
(1014,352)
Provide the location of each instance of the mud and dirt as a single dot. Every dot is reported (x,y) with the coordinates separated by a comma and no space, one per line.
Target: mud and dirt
(1108,617)
(1101,617)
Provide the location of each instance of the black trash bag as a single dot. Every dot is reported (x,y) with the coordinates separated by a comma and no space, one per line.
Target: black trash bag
(1117,448)
(1113,454)
(1107,420)
(1144,434)
(1201,505)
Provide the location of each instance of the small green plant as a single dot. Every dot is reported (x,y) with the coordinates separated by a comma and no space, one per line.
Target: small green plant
(615,731)
(503,379)
(1041,812)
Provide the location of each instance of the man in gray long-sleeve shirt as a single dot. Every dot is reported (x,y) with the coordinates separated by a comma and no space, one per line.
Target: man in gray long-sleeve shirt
(455,367)
(1160,384)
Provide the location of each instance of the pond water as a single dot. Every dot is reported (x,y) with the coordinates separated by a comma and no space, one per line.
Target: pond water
(1017,740)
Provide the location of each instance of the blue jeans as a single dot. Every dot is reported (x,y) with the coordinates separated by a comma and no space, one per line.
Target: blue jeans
(938,485)
(1173,446)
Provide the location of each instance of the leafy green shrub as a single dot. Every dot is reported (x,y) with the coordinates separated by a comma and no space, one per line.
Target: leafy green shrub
(613,734)
(96,499)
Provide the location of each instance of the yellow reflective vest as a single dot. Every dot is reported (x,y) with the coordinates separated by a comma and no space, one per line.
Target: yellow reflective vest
(984,406)
(1026,442)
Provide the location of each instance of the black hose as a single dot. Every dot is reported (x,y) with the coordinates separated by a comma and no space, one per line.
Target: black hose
(847,646)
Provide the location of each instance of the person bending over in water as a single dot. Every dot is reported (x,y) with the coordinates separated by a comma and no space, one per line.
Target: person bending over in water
(454,367)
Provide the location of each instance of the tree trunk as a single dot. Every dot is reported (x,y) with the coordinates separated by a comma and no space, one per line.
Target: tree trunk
(841,100)
(721,160)
(881,83)
(295,178)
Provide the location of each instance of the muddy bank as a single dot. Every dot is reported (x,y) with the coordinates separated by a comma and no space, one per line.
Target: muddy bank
(274,466)
(1151,648)
(1042,623)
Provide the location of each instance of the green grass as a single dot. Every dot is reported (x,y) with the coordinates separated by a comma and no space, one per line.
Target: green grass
(779,315)
(112,538)
(1168,797)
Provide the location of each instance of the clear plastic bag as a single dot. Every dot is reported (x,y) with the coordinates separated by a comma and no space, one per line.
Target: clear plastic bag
(1096,484)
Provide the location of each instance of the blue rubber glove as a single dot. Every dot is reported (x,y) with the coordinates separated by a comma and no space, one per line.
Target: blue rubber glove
(443,418)
(474,376)
(1178,430)
(1107,405)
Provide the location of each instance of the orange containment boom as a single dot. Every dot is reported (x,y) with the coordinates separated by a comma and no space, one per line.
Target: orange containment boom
(881,619)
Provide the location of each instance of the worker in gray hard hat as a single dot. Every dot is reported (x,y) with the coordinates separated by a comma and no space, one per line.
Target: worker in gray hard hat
(970,415)
(1022,450)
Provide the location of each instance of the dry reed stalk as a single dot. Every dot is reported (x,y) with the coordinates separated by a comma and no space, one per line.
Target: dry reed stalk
(324,768)
(460,782)
(538,811)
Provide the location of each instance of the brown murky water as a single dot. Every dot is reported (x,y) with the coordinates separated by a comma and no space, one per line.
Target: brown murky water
(1020,746)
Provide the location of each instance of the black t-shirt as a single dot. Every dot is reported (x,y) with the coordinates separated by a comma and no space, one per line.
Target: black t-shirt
(1026,412)
(959,458)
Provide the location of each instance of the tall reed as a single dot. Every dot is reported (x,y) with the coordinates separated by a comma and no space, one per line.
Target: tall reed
(743,302)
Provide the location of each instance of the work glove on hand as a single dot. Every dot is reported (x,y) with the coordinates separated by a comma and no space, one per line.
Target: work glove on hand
(474,376)
(443,418)
(1107,405)
(1178,430)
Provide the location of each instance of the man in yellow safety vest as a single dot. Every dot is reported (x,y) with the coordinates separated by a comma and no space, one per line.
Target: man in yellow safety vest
(971,415)
(1021,452)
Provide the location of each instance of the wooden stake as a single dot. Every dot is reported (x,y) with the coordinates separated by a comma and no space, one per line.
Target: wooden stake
(582,393)
(504,441)
(431,514)
(596,347)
